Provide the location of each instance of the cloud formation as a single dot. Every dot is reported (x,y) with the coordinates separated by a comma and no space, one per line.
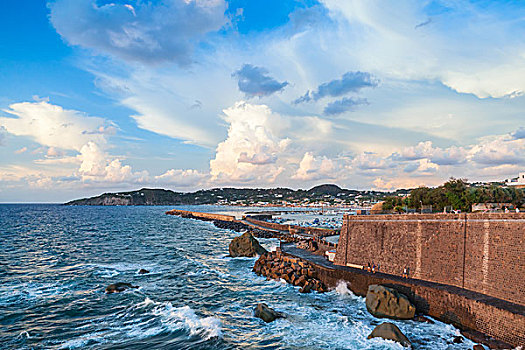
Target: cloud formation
(140,31)
(253,145)
(344,105)
(255,81)
(52,126)
(349,82)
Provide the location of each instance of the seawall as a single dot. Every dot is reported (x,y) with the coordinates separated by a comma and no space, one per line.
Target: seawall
(484,253)
(467,310)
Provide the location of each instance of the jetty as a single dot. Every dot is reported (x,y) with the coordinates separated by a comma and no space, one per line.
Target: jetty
(466,269)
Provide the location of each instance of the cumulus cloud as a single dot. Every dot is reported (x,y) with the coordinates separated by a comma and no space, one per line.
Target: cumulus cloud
(253,145)
(21,150)
(349,82)
(255,81)
(181,178)
(499,151)
(317,168)
(140,31)
(52,126)
(344,105)
(424,150)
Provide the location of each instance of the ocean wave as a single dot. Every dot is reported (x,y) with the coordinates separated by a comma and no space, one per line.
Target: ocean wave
(175,317)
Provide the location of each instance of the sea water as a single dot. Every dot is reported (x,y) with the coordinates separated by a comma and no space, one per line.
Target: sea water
(55,262)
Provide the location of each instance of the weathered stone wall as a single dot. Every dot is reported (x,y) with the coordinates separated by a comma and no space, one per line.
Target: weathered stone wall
(480,252)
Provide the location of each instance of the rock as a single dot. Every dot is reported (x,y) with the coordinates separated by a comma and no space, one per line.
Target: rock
(390,331)
(306,288)
(245,245)
(267,314)
(143,271)
(382,301)
(424,319)
(478,347)
(119,287)
(457,339)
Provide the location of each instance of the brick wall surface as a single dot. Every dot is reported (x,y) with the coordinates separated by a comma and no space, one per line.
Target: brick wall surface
(481,252)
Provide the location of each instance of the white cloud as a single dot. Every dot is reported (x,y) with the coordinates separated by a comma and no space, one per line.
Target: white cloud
(317,168)
(471,49)
(141,31)
(53,126)
(182,178)
(253,145)
(97,166)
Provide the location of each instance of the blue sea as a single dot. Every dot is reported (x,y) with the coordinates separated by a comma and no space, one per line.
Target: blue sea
(55,262)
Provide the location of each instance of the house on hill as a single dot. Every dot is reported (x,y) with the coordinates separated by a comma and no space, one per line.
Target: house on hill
(518,182)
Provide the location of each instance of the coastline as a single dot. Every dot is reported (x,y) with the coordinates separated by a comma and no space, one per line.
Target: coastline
(446,303)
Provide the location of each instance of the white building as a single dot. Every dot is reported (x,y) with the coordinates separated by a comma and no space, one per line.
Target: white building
(517,181)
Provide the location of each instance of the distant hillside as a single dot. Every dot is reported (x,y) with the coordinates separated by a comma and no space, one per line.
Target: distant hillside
(146,196)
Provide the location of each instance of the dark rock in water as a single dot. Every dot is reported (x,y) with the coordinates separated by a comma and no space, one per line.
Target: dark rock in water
(119,287)
(457,339)
(143,271)
(382,301)
(478,347)
(424,319)
(390,331)
(245,245)
(267,314)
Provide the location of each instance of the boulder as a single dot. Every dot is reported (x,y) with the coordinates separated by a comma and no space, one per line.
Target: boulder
(457,339)
(245,245)
(478,347)
(267,314)
(143,271)
(389,331)
(382,301)
(119,287)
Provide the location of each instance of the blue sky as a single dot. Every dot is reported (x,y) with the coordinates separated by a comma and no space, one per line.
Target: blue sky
(103,96)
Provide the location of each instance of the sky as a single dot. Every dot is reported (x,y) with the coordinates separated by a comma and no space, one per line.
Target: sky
(103,96)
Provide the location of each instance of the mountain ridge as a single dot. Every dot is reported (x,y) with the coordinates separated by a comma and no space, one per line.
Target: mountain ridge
(158,196)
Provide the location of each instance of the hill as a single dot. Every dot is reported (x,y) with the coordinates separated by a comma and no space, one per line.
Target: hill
(326,193)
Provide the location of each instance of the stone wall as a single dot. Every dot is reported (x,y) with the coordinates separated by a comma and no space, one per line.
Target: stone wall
(481,252)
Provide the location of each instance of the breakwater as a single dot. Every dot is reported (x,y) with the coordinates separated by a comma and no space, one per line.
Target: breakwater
(265,229)
(293,270)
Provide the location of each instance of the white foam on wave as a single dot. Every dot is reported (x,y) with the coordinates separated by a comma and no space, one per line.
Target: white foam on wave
(175,317)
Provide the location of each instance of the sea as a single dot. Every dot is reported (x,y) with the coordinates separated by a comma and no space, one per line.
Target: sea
(55,262)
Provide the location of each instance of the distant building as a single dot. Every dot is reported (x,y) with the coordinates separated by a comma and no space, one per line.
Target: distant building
(518,182)
(476,207)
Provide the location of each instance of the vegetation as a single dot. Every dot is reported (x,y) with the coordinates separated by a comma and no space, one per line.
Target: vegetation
(456,194)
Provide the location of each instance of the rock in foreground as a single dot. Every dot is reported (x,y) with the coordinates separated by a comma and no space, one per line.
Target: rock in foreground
(390,331)
(245,245)
(387,302)
(119,287)
(267,314)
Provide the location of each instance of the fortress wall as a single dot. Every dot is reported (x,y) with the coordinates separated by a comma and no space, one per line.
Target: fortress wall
(495,255)
(480,252)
